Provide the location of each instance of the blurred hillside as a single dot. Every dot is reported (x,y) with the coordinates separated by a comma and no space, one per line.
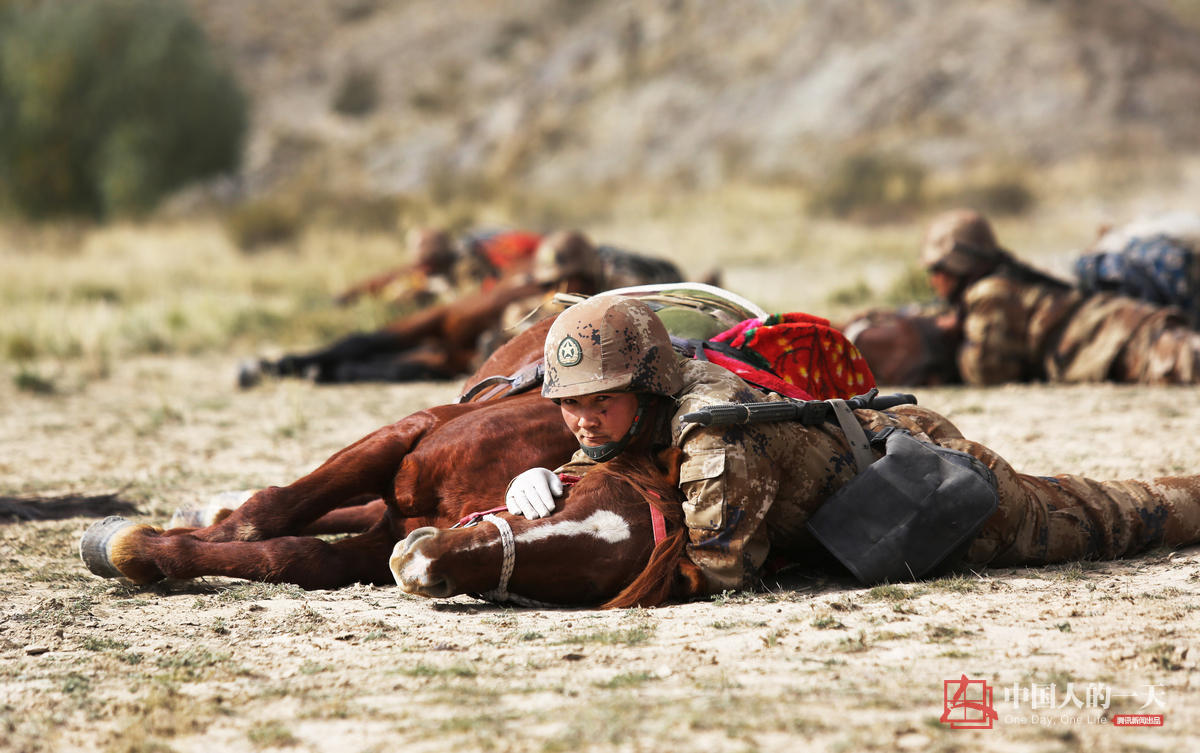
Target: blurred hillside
(798,146)
(545,96)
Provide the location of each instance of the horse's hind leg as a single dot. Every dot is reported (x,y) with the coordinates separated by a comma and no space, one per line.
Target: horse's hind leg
(367,467)
(352,516)
(142,554)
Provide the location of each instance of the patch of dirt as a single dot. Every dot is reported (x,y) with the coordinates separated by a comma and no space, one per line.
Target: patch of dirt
(815,663)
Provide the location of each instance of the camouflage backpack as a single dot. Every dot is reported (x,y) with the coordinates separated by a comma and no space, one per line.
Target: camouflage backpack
(1159,269)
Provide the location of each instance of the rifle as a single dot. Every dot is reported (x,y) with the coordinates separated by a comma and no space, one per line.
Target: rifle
(807,412)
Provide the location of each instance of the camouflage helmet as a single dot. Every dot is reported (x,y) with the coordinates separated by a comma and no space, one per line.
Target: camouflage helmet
(961,242)
(565,253)
(609,343)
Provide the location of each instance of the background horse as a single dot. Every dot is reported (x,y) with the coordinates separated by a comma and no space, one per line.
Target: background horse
(905,346)
(440,342)
(447,340)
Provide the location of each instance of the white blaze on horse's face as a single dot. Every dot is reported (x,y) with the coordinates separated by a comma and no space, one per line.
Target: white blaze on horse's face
(409,567)
(602,524)
(414,573)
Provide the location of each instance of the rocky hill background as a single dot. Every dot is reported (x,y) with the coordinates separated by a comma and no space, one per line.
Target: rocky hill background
(552,96)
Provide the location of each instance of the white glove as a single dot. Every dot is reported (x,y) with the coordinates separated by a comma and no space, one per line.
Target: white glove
(532,493)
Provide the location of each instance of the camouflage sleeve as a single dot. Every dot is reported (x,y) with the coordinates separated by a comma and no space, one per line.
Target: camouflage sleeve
(728,491)
(994,335)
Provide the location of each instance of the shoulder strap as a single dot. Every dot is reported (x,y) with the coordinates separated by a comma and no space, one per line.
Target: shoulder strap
(855,435)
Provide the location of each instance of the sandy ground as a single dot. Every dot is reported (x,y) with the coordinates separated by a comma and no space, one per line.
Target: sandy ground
(815,663)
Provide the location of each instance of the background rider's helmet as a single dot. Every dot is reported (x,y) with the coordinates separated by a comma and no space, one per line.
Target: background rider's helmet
(961,242)
(609,343)
(433,250)
(566,253)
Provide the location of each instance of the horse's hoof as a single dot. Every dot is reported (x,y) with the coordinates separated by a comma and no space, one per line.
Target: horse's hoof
(411,572)
(95,548)
(213,510)
(249,374)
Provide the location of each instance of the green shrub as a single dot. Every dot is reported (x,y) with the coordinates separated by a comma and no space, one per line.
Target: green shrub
(263,222)
(358,93)
(105,106)
(871,186)
(1002,196)
(910,285)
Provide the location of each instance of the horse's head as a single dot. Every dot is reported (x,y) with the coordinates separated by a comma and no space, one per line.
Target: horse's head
(599,546)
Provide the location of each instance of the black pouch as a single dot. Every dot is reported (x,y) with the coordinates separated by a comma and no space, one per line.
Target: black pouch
(907,512)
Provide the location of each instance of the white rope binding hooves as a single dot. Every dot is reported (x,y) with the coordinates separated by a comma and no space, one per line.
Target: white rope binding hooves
(500,592)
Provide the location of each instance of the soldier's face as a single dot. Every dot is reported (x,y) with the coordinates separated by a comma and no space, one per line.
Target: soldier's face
(599,418)
(943,283)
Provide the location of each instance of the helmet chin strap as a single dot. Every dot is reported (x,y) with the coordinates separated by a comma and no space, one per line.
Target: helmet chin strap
(602,453)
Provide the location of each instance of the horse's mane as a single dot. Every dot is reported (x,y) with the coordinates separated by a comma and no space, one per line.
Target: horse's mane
(655,478)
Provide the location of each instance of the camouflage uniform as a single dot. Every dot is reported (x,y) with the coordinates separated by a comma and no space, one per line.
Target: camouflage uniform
(1015,331)
(1019,325)
(750,489)
(569,254)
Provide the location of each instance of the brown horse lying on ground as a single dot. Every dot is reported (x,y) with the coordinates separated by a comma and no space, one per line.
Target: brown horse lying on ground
(430,469)
(607,543)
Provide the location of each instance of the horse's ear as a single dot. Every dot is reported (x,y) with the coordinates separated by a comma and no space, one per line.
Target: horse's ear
(670,460)
(689,582)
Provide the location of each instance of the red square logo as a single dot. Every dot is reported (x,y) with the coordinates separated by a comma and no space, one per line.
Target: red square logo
(967,704)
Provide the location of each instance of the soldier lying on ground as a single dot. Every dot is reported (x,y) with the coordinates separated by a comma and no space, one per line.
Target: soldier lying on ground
(1008,322)
(444,268)
(751,489)
(450,339)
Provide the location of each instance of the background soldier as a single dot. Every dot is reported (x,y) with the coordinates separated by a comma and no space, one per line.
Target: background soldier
(444,269)
(1016,323)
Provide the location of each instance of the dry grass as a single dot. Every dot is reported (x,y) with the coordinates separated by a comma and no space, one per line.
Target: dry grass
(114,292)
(91,295)
(816,663)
